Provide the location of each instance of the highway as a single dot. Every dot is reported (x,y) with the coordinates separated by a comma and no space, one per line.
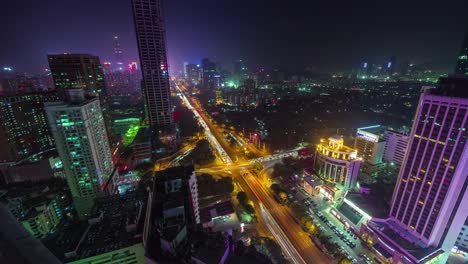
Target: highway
(294,242)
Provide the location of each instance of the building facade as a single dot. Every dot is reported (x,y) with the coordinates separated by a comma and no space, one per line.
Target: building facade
(24,127)
(337,163)
(462,239)
(151,39)
(370,145)
(172,212)
(433,179)
(395,147)
(194,73)
(209,74)
(80,135)
(77,71)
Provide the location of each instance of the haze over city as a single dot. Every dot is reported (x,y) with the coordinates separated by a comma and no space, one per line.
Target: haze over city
(200,132)
(269,34)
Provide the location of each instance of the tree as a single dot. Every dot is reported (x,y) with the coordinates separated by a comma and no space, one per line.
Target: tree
(242,198)
(208,186)
(249,209)
(283,196)
(275,188)
(143,167)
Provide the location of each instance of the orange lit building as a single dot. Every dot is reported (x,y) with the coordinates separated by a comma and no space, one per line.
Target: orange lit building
(337,163)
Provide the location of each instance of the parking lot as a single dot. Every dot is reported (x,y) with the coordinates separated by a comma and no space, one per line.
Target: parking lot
(319,209)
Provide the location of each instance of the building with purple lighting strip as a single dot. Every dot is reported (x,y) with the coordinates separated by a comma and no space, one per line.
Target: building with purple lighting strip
(429,201)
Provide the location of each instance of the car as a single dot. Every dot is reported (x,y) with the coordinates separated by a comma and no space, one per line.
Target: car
(352,245)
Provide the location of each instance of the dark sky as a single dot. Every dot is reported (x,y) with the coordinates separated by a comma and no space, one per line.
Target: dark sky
(287,34)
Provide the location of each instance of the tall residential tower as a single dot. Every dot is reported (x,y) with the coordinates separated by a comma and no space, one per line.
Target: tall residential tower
(77,71)
(80,135)
(151,39)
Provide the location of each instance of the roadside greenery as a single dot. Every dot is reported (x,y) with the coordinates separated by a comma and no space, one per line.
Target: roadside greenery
(248,213)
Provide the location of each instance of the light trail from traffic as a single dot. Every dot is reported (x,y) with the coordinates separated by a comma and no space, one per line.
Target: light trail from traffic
(280,236)
(302,244)
(213,141)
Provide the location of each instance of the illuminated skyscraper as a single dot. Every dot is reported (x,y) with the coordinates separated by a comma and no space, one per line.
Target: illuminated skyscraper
(209,74)
(430,198)
(151,39)
(462,62)
(185,70)
(194,73)
(390,65)
(118,54)
(240,72)
(82,71)
(81,139)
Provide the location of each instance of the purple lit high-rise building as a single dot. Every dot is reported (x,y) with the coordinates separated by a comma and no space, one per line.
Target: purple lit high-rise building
(151,39)
(429,202)
(430,198)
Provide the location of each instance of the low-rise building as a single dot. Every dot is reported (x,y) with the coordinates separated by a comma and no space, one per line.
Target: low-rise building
(370,145)
(337,163)
(112,234)
(39,209)
(141,146)
(172,213)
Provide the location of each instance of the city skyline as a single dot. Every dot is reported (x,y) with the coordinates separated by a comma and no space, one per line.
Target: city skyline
(256,146)
(265,34)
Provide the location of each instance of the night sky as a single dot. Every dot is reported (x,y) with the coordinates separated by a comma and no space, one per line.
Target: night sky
(289,35)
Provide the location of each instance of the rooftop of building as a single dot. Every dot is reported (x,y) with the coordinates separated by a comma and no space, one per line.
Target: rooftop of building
(180,172)
(70,55)
(314,182)
(114,231)
(71,104)
(376,130)
(33,192)
(117,222)
(216,210)
(373,129)
(208,247)
(168,196)
(67,239)
(399,237)
(376,204)
(335,143)
(350,213)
